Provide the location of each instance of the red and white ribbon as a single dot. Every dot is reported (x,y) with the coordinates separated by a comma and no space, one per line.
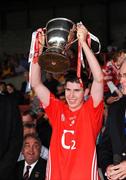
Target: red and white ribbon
(37,44)
(80,62)
(93,37)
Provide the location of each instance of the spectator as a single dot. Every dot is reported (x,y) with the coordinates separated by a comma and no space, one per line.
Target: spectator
(111,82)
(44,130)
(112,149)
(24,61)
(25,88)
(31,151)
(25,84)
(51,83)
(35,104)
(11,90)
(7,70)
(18,68)
(11,137)
(29,127)
(28,117)
(3,89)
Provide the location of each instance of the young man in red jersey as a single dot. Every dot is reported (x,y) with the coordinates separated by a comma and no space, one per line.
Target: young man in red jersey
(76,124)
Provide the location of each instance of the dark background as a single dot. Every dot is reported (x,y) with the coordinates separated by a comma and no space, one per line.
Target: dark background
(19,18)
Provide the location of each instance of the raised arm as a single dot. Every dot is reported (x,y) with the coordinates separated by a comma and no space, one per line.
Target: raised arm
(97,85)
(36,82)
(36,79)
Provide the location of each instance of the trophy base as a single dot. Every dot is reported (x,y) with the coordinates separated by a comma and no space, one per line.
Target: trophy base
(54,62)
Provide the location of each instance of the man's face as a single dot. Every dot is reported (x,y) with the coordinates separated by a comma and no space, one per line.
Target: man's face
(122,76)
(74,94)
(27,118)
(2,87)
(31,150)
(28,130)
(10,89)
(120,59)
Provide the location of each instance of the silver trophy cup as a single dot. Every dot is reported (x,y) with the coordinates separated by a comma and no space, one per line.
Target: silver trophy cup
(59,36)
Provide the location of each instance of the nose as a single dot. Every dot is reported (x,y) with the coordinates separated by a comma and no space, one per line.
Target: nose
(31,150)
(71,95)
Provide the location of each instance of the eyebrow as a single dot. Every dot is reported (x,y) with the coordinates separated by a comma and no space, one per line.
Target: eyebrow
(73,89)
(36,142)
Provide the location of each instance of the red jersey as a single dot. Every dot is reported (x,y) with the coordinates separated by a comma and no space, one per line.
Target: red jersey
(72,153)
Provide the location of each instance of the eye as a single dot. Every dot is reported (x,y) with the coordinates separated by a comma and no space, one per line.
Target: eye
(67,89)
(77,90)
(26,146)
(36,146)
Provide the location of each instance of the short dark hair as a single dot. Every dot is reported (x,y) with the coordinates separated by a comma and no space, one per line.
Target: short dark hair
(11,85)
(34,136)
(71,76)
(29,112)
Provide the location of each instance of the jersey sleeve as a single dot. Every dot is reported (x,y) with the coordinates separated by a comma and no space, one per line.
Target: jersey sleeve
(53,110)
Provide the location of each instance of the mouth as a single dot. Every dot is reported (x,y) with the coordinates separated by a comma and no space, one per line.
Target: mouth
(71,101)
(30,155)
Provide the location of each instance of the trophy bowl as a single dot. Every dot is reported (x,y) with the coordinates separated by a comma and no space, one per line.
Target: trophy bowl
(60,33)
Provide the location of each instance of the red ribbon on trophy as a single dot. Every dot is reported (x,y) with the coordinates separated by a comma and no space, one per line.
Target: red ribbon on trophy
(80,54)
(80,58)
(79,62)
(37,44)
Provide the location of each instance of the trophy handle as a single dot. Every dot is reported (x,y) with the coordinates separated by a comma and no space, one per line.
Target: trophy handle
(45,37)
(91,36)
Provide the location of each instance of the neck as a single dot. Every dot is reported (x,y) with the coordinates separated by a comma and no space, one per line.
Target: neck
(73,109)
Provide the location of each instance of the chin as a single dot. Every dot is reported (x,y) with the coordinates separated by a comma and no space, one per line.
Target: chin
(74,108)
